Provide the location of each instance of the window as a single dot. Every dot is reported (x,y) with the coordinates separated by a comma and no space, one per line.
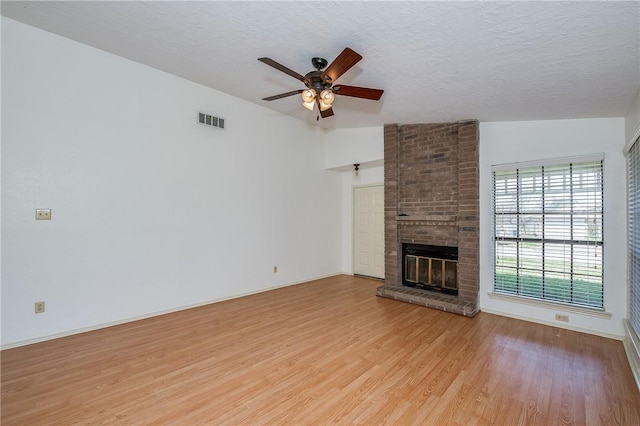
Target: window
(633,162)
(548,231)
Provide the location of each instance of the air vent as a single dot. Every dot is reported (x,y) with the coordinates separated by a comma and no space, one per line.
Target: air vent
(210,120)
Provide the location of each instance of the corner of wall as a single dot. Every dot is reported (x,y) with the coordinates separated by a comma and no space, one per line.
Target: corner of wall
(631,343)
(632,121)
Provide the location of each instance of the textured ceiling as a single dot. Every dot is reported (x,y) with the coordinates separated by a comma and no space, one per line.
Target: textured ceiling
(436,61)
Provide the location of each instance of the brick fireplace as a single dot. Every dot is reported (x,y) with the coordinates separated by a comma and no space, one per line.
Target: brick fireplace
(431,198)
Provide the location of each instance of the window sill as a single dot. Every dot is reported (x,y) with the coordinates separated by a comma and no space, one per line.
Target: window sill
(550,305)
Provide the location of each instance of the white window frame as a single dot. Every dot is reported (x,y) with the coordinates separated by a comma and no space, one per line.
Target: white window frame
(633,213)
(541,301)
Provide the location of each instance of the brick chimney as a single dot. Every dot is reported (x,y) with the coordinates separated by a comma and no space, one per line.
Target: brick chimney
(431,197)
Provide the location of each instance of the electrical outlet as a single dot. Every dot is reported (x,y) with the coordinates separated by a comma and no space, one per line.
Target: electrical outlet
(560,317)
(39,307)
(43,214)
(275,269)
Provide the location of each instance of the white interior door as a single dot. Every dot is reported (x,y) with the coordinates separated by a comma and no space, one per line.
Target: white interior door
(368,227)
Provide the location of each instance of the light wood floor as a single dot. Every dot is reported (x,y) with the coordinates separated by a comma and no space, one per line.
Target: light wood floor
(327,351)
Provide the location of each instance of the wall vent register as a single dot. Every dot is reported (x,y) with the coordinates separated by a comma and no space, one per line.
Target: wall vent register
(210,120)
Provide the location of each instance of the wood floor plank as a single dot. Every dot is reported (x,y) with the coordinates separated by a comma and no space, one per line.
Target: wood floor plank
(327,351)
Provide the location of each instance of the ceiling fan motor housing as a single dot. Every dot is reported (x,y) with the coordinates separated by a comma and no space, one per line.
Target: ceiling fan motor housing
(315,80)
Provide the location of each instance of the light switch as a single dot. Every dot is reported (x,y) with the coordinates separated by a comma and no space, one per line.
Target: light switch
(43,214)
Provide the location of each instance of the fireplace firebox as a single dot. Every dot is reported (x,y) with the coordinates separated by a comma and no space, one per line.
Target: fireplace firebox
(430,267)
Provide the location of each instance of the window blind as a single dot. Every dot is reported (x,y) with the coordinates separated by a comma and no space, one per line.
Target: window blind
(548,232)
(633,164)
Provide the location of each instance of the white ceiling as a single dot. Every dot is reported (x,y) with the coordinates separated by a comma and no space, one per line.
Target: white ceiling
(436,61)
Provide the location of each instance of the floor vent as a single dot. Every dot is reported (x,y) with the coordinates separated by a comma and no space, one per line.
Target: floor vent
(210,120)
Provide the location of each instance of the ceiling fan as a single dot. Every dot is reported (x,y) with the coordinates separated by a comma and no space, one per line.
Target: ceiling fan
(320,89)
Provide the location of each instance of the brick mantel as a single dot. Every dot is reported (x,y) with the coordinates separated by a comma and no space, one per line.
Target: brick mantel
(431,197)
(426,220)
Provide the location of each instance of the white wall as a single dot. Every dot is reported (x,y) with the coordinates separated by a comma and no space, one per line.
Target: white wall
(510,142)
(346,147)
(151,211)
(632,121)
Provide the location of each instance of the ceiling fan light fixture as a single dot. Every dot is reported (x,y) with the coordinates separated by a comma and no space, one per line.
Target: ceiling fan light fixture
(327,97)
(323,106)
(308,105)
(308,95)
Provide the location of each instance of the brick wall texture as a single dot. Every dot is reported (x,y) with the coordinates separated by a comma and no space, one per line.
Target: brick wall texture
(431,195)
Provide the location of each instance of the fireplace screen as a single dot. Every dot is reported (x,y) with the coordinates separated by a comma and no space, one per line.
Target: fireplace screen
(431,268)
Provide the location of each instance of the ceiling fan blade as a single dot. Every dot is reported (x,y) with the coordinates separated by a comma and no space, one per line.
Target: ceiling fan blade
(282,68)
(341,64)
(326,113)
(282,95)
(358,92)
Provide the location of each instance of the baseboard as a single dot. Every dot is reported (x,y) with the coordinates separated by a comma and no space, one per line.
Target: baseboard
(632,348)
(555,324)
(153,314)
